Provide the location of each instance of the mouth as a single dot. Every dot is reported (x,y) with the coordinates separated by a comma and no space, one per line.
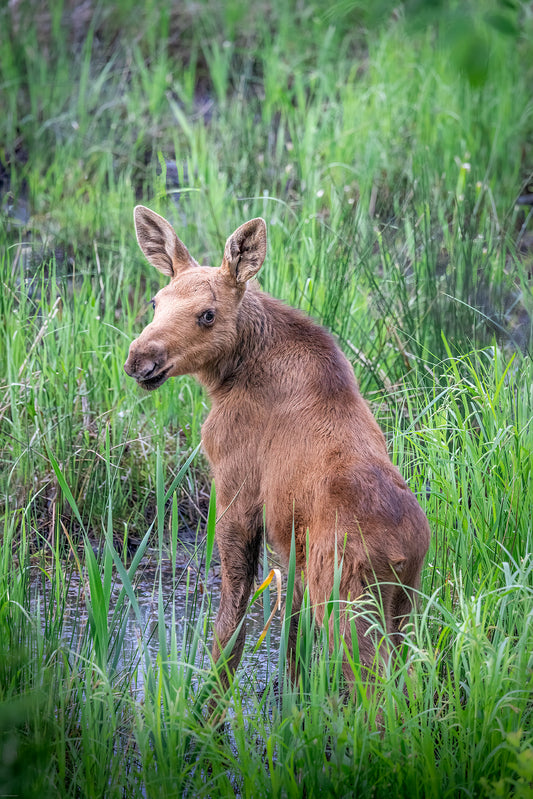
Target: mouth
(157,380)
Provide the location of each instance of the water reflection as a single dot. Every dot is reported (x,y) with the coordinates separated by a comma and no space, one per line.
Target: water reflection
(184,597)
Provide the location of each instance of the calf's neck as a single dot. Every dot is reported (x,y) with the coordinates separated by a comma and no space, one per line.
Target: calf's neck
(290,440)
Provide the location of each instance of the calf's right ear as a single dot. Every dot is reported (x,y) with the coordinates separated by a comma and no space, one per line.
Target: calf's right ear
(245,250)
(159,243)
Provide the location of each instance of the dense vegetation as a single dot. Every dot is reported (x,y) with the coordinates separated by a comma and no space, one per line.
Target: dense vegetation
(391,153)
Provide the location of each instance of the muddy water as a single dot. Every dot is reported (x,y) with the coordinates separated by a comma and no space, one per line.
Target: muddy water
(179,601)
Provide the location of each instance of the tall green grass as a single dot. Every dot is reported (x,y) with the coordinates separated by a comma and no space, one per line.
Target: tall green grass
(462,721)
(388,167)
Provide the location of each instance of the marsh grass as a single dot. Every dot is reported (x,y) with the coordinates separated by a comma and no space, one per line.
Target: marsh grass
(458,718)
(388,179)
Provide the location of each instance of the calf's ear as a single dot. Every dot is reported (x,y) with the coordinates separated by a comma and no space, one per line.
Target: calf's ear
(245,250)
(159,243)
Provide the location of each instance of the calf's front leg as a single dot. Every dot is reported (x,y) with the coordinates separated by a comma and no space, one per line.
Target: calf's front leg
(239,553)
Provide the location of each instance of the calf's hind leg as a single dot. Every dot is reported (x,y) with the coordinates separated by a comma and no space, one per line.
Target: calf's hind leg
(369,604)
(292,665)
(320,577)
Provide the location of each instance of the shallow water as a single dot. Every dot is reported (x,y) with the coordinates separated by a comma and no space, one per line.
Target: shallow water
(142,634)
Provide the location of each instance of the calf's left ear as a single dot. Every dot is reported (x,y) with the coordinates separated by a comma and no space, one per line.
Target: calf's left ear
(159,243)
(245,251)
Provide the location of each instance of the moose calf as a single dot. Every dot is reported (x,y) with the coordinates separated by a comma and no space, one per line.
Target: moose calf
(288,434)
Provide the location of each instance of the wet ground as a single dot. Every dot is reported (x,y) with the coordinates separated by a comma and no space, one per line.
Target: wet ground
(182,602)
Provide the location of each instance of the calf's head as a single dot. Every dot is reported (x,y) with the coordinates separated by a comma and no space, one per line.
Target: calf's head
(195,315)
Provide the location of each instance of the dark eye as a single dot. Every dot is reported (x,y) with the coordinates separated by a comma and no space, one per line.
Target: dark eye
(207,318)
(152,303)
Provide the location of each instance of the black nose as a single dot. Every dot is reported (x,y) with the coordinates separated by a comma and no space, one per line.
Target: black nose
(145,361)
(146,370)
(141,368)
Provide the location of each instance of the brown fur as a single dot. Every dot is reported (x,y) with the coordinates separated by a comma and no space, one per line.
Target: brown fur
(288,432)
